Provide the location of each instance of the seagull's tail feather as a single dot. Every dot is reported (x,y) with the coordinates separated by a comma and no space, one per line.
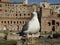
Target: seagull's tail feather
(20,33)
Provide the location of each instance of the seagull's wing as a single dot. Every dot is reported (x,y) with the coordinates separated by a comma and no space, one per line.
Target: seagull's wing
(25,27)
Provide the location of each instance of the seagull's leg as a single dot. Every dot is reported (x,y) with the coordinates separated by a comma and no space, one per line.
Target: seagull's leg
(28,39)
(32,39)
(27,36)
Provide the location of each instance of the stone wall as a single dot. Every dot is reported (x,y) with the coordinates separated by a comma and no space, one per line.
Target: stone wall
(42,42)
(13,36)
(2,36)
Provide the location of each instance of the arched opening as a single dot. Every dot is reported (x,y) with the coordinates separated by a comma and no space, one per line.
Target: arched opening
(49,23)
(53,28)
(0,0)
(53,22)
(57,23)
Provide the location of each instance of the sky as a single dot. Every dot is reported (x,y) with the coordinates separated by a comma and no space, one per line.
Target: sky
(37,1)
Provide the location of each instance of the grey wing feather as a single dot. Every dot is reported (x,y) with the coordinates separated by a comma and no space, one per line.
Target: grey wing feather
(25,27)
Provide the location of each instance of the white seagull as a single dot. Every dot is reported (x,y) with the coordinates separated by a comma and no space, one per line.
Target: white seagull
(32,26)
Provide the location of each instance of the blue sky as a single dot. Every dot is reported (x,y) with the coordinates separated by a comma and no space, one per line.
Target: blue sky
(37,1)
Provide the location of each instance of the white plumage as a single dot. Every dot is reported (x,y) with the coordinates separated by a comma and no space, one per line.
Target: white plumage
(32,26)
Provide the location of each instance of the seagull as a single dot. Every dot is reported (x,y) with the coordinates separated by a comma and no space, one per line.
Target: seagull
(32,26)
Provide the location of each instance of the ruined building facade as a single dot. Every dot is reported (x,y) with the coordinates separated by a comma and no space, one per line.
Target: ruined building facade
(50,16)
(13,15)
